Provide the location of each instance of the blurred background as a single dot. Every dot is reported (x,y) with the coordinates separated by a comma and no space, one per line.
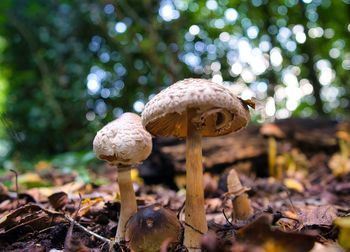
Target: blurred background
(69,67)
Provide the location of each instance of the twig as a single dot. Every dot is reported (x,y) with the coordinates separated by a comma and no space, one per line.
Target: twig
(290,199)
(180,210)
(226,218)
(17,187)
(79,206)
(87,230)
(74,222)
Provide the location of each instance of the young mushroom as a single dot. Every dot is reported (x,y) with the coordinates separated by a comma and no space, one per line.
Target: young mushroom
(241,207)
(190,109)
(124,143)
(150,227)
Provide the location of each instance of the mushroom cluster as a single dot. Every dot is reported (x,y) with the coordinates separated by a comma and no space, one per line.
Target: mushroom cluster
(190,109)
(124,143)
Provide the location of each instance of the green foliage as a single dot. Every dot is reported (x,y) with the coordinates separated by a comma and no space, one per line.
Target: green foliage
(72,66)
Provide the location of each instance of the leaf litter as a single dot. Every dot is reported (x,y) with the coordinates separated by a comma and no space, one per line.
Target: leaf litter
(306,211)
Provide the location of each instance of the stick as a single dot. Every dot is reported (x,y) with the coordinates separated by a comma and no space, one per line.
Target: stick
(17,187)
(87,230)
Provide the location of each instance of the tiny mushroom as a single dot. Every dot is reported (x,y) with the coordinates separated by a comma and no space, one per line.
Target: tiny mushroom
(150,227)
(190,109)
(124,143)
(241,207)
(272,132)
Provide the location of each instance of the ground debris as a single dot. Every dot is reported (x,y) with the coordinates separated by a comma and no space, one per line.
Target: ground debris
(288,214)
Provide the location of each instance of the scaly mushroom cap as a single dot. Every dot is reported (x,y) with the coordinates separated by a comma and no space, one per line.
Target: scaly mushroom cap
(219,111)
(123,141)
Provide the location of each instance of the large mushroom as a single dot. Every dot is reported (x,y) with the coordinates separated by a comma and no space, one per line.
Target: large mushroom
(124,143)
(190,109)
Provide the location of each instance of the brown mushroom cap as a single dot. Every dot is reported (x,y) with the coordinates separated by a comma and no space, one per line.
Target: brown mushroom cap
(123,141)
(271,129)
(150,227)
(219,111)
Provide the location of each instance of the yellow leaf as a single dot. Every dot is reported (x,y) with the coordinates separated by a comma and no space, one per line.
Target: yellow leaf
(135,177)
(30,180)
(339,165)
(87,203)
(344,234)
(180,181)
(293,184)
(42,165)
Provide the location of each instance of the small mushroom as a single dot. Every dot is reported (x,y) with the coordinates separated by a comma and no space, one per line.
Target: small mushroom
(344,147)
(272,132)
(124,143)
(190,109)
(150,227)
(242,209)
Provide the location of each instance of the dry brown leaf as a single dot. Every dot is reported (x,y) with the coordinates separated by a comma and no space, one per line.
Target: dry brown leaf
(266,239)
(317,215)
(58,200)
(27,219)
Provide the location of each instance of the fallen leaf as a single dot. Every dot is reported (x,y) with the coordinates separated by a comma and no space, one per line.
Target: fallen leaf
(135,176)
(261,235)
(317,215)
(333,247)
(344,234)
(58,200)
(293,184)
(87,203)
(31,180)
(339,166)
(27,219)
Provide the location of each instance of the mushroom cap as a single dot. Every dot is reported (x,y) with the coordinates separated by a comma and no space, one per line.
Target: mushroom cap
(123,141)
(219,111)
(271,129)
(150,227)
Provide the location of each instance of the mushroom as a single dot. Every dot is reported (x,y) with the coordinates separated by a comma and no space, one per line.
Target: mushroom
(272,132)
(150,227)
(241,206)
(344,147)
(124,143)
(193,108)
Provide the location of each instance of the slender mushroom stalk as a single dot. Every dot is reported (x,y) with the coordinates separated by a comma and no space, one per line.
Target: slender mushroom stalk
(241,207)
(272,132)
(196,224)
(124,143)
(127,196)
(272,155)
(190,109)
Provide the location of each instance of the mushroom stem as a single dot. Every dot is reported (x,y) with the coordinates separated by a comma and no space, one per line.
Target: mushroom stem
(195,219)
(272,153)
(128,202)
(344,153)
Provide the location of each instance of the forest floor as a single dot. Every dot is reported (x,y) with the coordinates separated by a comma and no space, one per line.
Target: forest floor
(304,207)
